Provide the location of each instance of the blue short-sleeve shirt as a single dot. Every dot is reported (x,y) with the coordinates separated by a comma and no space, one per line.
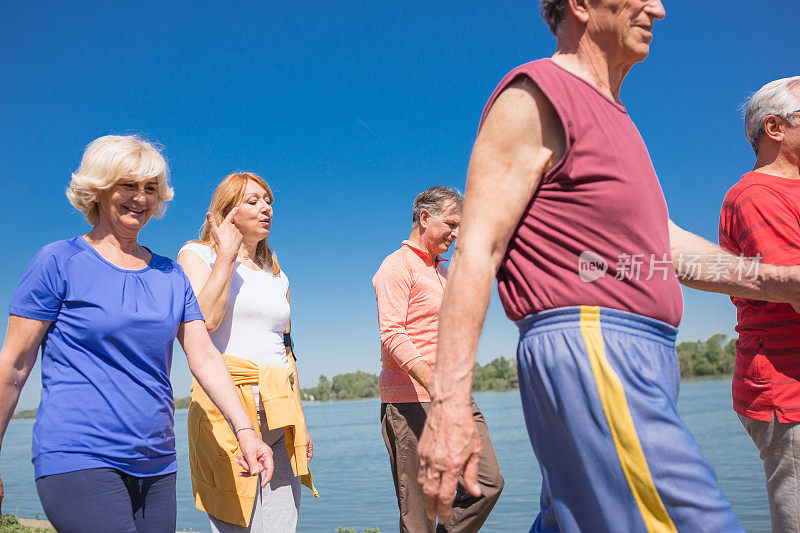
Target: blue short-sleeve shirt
(106,395)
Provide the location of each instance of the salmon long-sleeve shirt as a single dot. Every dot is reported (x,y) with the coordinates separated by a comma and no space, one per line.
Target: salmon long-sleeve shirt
(409,287)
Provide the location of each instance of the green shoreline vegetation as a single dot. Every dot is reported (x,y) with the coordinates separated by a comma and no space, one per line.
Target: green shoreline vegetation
(9,523)
(711,357)
(714,356)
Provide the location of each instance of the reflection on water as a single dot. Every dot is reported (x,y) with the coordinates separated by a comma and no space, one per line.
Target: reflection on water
(351,467)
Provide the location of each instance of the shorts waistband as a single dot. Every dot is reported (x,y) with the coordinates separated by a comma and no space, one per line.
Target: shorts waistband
(562,317)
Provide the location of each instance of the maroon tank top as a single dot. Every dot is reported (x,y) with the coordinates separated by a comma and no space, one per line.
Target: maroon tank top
(595,232)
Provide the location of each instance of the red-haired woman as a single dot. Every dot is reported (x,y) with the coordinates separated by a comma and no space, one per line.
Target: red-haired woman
(244,297)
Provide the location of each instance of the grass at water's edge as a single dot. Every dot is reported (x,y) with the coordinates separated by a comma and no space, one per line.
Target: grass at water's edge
(9,523)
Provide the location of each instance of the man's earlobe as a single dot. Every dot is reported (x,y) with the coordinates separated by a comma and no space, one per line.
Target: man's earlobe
(579,9)
(424,216)
(772,128)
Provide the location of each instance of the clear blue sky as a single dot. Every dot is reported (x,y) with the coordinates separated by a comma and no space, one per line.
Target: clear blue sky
(348,109)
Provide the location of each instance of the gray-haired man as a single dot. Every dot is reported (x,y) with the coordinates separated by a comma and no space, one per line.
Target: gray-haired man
(409,286)
(761,216)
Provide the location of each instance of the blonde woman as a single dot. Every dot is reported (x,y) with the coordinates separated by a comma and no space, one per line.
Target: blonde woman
(244,296)
(106,310)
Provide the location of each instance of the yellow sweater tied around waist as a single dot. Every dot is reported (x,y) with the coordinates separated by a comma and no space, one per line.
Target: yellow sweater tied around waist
(218,488)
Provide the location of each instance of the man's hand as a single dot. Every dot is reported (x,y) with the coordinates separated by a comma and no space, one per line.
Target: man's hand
(309,447)
(422,374)
(256,456)
(449,446)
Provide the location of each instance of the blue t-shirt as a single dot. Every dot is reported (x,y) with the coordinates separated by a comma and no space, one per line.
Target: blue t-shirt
(106,396)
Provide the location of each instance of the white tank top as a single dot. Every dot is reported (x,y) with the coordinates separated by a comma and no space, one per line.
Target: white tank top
(257,313)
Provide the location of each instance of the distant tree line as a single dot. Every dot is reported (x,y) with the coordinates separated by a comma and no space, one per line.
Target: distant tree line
(350,386)
(500,374)
(711,357)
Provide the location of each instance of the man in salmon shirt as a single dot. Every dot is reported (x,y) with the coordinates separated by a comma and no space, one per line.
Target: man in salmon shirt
(408,287)
(564,207)
(761,216)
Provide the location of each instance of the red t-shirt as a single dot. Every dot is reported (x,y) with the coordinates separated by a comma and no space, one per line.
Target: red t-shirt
(761,215)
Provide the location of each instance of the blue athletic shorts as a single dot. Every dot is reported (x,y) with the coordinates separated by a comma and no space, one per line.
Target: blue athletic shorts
(599,391)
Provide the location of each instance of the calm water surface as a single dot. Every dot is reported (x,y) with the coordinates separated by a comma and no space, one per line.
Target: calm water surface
(351,468)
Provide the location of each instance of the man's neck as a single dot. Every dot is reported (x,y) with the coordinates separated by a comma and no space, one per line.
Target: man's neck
(587,61)
(777,166)
(419,242)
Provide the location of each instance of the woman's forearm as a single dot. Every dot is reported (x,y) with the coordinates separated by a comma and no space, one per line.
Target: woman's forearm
(11,383)
(17,357)
(211,372)
(213,297)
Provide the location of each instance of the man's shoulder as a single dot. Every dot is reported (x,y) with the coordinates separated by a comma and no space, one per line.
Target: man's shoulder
(529,71)
(543,73)
(394,262)
(530,66)
(398,257)
(750,189)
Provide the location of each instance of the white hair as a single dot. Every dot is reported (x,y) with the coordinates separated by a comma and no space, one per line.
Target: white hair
(775,98)
(112,158)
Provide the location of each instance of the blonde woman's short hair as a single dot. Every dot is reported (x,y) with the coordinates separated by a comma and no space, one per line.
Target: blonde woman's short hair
(112,158)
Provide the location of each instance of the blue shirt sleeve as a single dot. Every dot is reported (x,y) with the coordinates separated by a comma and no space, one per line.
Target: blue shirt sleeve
(41,290)
(191,309)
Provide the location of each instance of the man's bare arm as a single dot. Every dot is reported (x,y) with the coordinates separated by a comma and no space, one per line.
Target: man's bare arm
(422,374)
(520,139)
(508,160)
(702,265)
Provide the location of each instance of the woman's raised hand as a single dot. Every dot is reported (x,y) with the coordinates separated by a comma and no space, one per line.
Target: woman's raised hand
(226,236)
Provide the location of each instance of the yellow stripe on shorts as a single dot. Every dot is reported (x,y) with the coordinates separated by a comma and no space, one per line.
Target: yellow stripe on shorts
(620,422)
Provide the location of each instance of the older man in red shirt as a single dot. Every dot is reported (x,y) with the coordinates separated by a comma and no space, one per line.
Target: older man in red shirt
(761,217)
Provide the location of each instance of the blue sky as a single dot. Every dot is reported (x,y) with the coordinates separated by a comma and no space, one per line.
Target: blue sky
(348,109)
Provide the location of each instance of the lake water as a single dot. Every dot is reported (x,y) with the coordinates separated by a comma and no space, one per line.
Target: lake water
(351,467)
